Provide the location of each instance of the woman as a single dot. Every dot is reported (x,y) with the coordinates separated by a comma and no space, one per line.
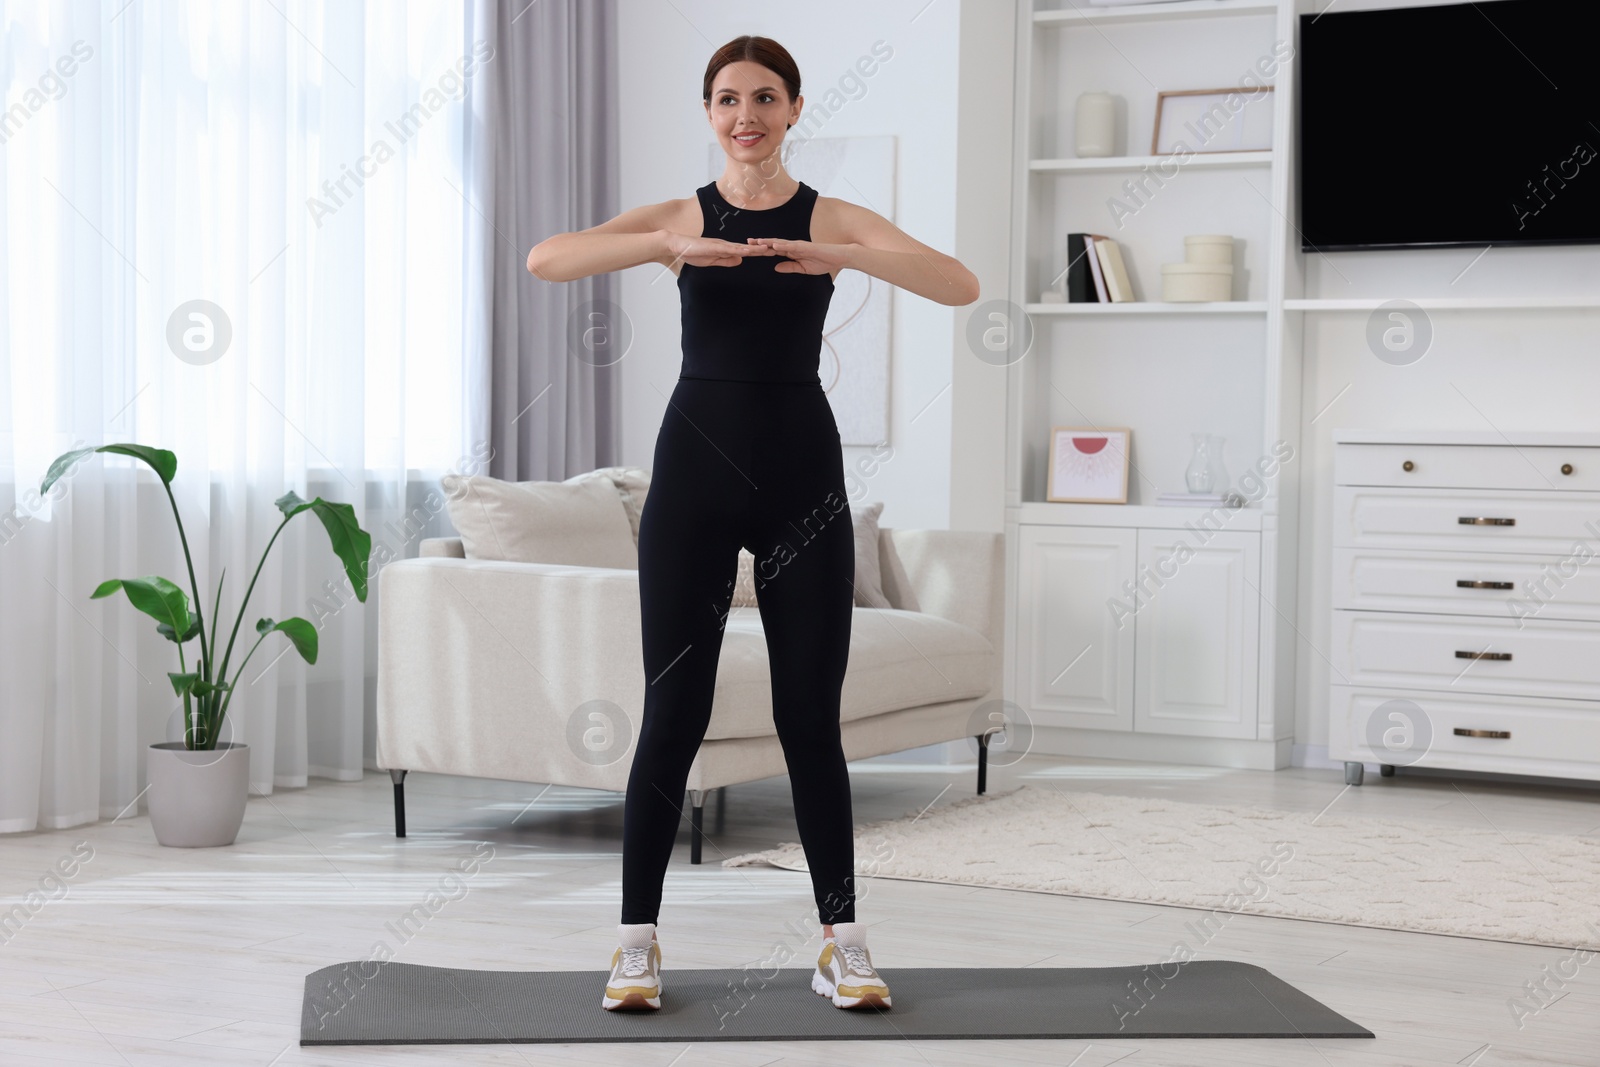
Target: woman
(748,455)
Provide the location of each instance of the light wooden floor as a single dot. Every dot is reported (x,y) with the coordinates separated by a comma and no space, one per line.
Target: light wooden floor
(158,955)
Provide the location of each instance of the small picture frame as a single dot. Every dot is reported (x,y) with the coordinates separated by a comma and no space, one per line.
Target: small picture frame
(1213,120)
(1088,465)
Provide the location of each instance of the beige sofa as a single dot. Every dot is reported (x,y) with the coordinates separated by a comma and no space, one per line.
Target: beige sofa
(510,670)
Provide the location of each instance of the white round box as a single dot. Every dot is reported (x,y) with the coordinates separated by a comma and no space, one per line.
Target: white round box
(1195,282)
(1208,248)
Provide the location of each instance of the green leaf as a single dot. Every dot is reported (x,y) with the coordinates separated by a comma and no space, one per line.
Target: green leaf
(153,595)
(291,504)
(62,464)
(167,631)
(300,632)
(183,683)
(203,687)
(164,463)
(351,543)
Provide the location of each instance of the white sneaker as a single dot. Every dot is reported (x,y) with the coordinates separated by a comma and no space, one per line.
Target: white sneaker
(845,973)
(635,980)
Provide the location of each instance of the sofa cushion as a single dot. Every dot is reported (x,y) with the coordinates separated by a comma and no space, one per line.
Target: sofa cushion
(898,659)
(897,587)
(581,522)
(632,483)
(744,582)
(869,576)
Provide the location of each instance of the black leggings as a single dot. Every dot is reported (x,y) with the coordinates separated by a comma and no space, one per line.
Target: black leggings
(757,465)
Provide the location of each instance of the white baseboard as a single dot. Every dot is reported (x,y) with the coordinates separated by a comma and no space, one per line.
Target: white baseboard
(1313,756)
(1245,754)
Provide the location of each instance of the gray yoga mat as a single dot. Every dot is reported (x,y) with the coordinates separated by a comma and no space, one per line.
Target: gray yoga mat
(371,1003)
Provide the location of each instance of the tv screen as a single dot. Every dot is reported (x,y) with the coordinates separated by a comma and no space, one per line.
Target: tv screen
(1463,124)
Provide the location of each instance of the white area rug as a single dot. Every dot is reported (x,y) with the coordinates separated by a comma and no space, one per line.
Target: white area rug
(1541,889)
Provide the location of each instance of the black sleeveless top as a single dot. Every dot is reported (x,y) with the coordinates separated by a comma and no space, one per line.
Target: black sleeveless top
(751,322)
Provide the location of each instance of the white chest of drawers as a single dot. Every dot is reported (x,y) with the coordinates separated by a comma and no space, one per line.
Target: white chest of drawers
(1466,602)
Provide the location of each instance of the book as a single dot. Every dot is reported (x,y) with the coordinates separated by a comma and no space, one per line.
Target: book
(1080,283)
(1111,267)
(1093,257)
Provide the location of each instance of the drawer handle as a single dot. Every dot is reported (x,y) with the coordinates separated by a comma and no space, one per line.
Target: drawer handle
(1566,468)
(1464,654)
(1467,520)
(1462,731)
(1463,583)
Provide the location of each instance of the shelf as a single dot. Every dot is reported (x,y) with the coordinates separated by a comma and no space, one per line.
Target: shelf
(1154,307)
(1448,303)
(1527,438)
(1142,516)
(1199,160)
(1103,16)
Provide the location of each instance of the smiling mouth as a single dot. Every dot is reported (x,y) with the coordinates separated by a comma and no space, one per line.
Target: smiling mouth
(748,139)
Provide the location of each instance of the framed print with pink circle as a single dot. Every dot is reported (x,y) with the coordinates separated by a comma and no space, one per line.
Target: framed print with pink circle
(1088,466)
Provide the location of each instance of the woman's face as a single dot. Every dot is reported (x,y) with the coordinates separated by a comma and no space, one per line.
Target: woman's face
(745,96)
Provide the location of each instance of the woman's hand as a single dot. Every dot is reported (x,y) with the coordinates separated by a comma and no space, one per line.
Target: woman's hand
(711,251)
(806,257)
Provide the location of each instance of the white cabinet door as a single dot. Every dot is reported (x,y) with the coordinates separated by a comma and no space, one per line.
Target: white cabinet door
(1198,622)
(1074,652)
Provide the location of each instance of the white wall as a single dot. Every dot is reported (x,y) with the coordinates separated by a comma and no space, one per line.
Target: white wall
(663,51)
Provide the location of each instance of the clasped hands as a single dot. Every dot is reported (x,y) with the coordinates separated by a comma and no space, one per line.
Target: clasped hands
(799,257)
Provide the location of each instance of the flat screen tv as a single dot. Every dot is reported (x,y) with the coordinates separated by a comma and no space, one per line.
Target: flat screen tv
(1460,124)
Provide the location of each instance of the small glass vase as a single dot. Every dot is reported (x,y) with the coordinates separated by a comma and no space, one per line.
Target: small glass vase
(1219,473)
(1200,475)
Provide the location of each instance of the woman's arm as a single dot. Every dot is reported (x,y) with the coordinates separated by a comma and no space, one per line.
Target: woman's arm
(634,237)
(878,247)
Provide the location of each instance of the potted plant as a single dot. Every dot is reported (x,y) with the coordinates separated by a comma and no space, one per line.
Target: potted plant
(198,786)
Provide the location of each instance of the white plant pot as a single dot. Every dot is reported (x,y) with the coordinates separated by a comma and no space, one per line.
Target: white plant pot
(196,798)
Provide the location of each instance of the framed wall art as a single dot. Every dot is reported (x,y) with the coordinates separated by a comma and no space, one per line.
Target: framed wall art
(1213,120)
(1088,465)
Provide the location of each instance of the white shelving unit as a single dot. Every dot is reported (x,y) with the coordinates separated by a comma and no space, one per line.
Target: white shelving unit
(1156,307)
(1204,670)
(1191,9)
(1107,654)
(1126,163)
(1454,303)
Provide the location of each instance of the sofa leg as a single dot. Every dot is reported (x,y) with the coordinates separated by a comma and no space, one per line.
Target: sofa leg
(722,804)
(399,777)
(983,762)
(697,797)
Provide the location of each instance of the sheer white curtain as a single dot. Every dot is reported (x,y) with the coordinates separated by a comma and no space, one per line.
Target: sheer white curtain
(246,233)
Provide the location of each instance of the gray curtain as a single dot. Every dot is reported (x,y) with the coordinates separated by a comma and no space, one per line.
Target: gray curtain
(549,126)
